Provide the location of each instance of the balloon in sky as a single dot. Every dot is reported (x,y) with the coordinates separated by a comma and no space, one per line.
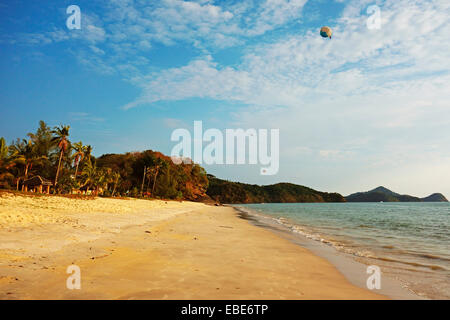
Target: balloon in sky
(326,32)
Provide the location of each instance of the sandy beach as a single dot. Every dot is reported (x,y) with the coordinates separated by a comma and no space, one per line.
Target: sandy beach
(153,249)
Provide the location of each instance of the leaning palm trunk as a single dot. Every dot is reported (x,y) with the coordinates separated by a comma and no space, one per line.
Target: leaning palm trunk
(59,164)
(154,182)
(116,181)
(25,177)
(76,170)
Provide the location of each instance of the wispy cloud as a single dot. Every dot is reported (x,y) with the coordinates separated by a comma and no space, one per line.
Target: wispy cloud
(85,117)
(375,97)
(130,28)
(367,96)
(293,70)
(173,123)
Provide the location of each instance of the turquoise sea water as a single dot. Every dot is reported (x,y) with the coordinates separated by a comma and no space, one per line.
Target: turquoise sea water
(410,240)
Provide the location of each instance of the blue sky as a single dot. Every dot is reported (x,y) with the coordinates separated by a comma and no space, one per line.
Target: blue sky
(369,107)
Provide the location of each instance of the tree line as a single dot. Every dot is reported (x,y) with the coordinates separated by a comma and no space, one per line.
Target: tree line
(235,192)
(72,168)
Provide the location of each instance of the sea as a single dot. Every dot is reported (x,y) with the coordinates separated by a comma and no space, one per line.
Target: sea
(408,241)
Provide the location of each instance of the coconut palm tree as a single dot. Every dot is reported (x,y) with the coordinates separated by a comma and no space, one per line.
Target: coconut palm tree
(42,139)
(159,163)
(60,138)
(115,177)
(102,178)
(6,161)
(93,176)
(4,153)
(80,151)
(88,152)
(88,173)
(24,152)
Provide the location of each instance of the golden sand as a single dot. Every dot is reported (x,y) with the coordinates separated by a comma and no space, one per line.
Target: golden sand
(141,249)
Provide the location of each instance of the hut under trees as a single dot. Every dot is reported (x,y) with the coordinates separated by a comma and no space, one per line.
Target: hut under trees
(37,184)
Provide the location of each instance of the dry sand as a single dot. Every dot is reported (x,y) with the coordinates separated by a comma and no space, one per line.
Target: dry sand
(141,249)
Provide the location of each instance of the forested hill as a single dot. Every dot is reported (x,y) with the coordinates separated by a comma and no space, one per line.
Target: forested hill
(236,192)
(162,178)
(382,194)
(70,167)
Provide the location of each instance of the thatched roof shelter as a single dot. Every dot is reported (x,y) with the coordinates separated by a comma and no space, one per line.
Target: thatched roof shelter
(37,183)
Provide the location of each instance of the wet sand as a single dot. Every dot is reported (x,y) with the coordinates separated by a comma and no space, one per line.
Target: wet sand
(353,270)
(142,249)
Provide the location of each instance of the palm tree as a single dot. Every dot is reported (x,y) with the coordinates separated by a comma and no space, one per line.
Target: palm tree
(159,163)
(80,151)
(60,137)
(115,177)
(88,151)
(6,161)
(24,152)
(102,178)
(42,139)
(4,153)
(89,173)
(94,177)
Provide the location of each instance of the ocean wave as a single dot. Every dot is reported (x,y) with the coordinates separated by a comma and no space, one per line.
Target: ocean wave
(395,252)
(429,256)
(345,246)
(365,226)
(308,233)
(414,264)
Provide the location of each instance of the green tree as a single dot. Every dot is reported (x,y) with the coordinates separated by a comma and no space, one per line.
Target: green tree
(95,177)
(42,139)
(159,164)
(88,152)
(60,138)
(89,174)
(102,179)
(116,179)
(80,151)
(24,152)
(6,161)
(4,151)
(168,186)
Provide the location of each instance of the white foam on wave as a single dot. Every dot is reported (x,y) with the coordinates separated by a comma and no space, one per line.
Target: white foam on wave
(306,232)
(312,235)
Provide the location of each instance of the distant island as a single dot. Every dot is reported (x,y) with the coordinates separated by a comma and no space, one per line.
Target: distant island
(386,195)
(235,192)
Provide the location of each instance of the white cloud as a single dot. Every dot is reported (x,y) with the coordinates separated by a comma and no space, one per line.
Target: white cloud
(131,28)
(295,70)
(85,117)
(173,123)
(275,13)
(374,98)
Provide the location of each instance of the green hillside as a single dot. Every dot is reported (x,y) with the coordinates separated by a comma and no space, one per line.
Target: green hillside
(382,194)
(235,192)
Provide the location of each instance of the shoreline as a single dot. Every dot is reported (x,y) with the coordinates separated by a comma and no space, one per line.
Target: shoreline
(354,271)
(153,249)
